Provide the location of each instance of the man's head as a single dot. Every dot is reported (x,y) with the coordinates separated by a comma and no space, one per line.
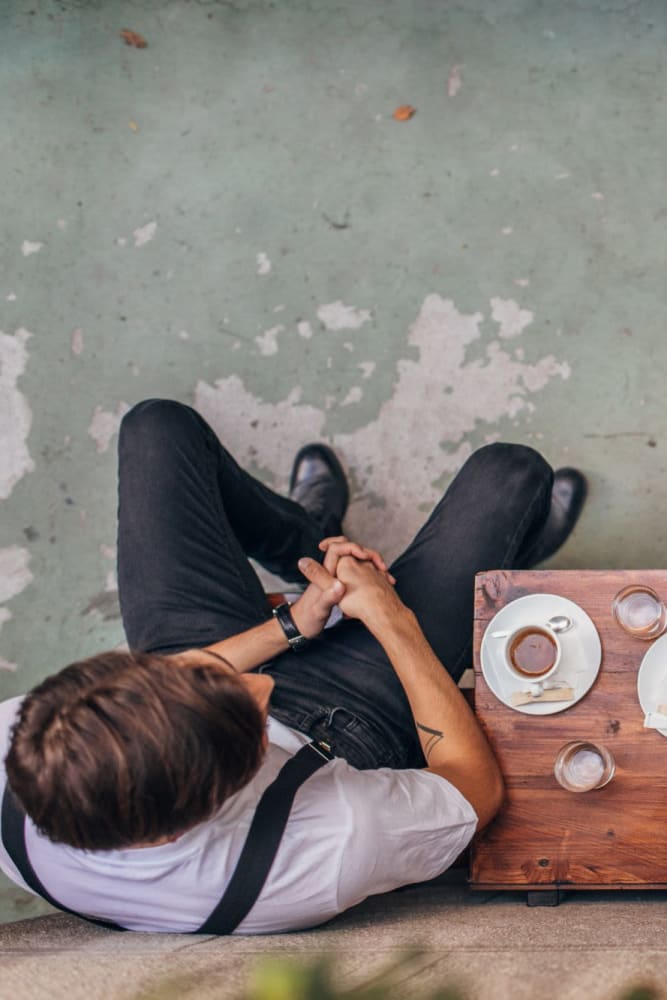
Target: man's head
(126,749)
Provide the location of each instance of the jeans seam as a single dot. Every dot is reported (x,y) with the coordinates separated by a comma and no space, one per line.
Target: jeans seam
(217,501)
(538,496)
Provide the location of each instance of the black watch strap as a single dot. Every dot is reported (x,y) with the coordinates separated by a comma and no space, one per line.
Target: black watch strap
(296,640)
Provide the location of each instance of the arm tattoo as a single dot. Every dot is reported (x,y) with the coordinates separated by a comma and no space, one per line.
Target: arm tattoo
(434,737)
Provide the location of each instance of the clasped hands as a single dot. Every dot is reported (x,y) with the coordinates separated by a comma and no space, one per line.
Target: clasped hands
(351,576)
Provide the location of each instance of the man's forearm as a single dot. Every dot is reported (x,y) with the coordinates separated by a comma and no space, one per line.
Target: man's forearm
(250,649)
(450,736)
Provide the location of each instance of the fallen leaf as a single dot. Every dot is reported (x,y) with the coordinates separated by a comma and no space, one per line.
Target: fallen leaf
(134,39)
(133,125)
(404,113)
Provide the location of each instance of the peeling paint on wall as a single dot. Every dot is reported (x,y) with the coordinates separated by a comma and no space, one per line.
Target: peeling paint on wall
(28,248)
(275,430)
(353,396)
(15,414)
(144,234)
(513,320)
(105,424)
(14,578)
(77,342)
(407,448)
(338,316)
(105,604)
(454,81)
(304,329)
(14,573)
(268,342)
(263,264)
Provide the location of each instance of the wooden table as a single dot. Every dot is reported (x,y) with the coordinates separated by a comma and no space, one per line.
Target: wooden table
(546,839)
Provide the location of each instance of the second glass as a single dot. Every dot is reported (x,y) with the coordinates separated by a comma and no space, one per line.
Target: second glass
(640,612)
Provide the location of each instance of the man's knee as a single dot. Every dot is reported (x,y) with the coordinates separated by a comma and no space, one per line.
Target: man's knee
(156,420)
(502,460)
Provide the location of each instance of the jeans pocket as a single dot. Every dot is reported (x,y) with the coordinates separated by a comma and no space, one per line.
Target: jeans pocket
(357,740)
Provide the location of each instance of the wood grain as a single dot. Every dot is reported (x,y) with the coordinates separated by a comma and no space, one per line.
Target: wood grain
(544,836)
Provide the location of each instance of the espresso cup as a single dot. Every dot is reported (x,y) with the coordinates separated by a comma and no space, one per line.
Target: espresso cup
(532,654)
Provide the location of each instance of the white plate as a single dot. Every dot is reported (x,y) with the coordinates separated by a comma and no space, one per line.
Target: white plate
(580,662)
(652,678)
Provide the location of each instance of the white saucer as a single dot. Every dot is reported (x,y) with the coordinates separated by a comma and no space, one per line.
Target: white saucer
(652,678)
(580,662)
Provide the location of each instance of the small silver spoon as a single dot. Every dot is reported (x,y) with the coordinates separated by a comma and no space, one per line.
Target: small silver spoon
(558,623)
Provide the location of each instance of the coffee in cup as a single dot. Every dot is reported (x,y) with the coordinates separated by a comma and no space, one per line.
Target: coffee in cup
(532,651)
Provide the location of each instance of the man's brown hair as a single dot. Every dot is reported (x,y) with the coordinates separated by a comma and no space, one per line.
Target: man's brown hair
(124,749)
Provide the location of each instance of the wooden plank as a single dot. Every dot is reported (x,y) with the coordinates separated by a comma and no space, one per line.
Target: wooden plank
(544,835)
(549,835)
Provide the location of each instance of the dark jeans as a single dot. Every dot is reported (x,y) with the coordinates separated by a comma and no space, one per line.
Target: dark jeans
(189,518)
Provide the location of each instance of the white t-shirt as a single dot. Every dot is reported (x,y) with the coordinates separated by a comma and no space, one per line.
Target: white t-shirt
(350,834)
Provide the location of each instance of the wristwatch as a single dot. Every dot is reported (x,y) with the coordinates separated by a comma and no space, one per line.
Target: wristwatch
(295,639)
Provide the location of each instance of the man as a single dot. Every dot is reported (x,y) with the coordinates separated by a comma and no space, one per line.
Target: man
(141,773)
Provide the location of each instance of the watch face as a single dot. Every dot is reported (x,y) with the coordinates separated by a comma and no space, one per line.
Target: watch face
(298,642)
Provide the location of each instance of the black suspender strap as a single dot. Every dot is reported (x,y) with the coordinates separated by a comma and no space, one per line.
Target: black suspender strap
(264,836)
(13,837)
(252,868)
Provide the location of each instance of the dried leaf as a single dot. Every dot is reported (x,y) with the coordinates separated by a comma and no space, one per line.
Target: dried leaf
(133,125)
(134,39)
(404,113)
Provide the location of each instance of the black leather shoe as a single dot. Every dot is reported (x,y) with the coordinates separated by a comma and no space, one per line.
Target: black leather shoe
(567,500)
(319,485)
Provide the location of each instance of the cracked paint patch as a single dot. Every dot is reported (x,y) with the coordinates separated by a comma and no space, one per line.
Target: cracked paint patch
(276,430)
(268,342)
(77,342)
(15,414)
(455,396)
(513,320)
(144,234)
(354,396)
(105,604)
(338,316)
(28,247)
(105,424)
(408,447)
(14,578)
(264,265)
(454,81)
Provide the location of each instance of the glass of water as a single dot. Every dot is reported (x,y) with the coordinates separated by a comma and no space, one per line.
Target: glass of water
(582,766)
(640,612)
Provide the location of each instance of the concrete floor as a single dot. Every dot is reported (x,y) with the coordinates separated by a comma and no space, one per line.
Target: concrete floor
(232,217)
(489,948)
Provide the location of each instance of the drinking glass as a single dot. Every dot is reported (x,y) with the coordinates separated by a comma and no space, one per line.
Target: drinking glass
(640,612)
(582,766)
